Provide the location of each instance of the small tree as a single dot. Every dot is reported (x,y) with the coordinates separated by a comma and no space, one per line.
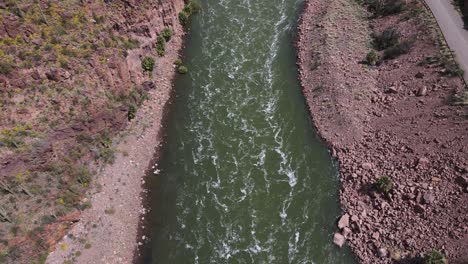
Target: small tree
(148,64)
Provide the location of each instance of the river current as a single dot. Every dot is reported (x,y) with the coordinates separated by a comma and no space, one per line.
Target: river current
(243,176)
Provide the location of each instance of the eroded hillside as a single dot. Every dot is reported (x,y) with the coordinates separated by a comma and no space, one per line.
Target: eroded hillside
(71,78)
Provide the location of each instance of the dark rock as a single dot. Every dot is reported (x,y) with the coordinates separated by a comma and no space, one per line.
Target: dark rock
(148,85)
(419,75)
(419,209)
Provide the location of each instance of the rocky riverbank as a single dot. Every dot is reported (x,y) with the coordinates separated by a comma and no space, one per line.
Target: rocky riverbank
(401,120)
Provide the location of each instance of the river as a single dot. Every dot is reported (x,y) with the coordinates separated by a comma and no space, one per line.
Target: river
(243,176)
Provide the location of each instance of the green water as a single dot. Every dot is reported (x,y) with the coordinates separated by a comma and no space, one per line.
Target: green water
(244,178)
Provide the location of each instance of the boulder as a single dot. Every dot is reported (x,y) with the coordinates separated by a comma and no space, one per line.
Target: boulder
(338,239)
(344,221)
(366,165)
(382,252)
(422,91)
(428,198)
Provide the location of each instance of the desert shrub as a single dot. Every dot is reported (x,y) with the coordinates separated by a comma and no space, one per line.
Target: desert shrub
(178,62)
(131,43)
(131,112)
(384,184)
(372,58)
(434,257)
(183,18)
(387,38)
(14,137)
(107,154)
(182,69)
(397,50)
(194,6)
(148,64)
(167,34)
(160,45)
(6,66)
(82,175)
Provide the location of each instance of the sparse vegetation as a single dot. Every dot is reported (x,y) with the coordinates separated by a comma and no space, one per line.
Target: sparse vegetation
(148,64)
(60,54)
(384,184)
(15,137)
(434,257)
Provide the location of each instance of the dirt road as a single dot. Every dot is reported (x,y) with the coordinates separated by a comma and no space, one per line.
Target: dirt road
(451,25)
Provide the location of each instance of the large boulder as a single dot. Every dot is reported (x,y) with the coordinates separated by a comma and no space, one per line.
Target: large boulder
(344,221)
(338,239)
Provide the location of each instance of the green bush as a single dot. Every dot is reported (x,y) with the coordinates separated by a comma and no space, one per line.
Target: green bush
(131,112)
(384,184)
(372,58)
(387,38)
(194,6)
(148,64)
(434,257)
(167,34)
(397,50)
(161,46)
(183,69)
(178,62)
(183,18)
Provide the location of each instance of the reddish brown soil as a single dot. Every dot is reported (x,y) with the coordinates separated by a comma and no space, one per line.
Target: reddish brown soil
(395,119)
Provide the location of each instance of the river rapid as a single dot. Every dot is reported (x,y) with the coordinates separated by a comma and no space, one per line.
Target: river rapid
(243,177)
